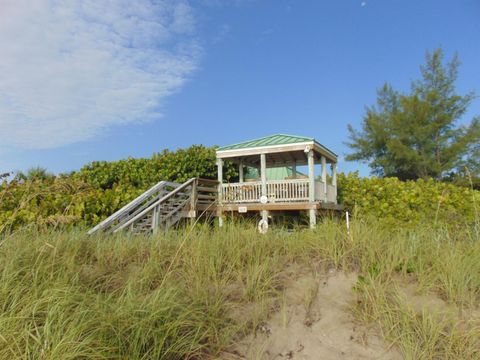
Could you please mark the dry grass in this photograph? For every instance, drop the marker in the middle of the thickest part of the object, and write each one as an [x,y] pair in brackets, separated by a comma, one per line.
[191,294]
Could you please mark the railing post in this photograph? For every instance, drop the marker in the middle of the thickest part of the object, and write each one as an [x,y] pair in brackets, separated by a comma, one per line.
[311,186]
[193,201]
[220,192]
[324,177]
[263,174]
[240,171]
[155,219]
[334,179]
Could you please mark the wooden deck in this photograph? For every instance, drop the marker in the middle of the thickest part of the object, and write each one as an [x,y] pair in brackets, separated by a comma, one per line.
[246,207]
[278,191]
[166,203]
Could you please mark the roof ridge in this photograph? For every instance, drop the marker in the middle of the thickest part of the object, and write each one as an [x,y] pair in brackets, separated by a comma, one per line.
[246,141]
[266,137]
[296,136]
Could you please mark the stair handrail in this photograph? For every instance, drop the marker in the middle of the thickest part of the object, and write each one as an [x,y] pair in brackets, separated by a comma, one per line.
[109,220]
[155,204]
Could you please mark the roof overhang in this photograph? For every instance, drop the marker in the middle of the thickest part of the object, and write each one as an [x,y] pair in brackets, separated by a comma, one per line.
[291,151]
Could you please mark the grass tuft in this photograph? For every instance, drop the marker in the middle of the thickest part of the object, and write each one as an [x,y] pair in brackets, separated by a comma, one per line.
[191,294]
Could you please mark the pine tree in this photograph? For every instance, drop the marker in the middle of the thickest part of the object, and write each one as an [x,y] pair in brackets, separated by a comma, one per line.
[416,135]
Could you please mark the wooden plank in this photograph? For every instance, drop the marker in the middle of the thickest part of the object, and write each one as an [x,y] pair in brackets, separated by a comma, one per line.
[207,197]
[157,203]
[207,189]
[270,206]
[130,206]
[207,181]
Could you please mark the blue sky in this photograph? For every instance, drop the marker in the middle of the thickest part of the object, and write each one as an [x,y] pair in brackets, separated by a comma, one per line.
[85,81]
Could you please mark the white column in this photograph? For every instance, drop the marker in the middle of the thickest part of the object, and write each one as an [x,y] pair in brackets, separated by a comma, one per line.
[240,171]
[334,179]
[311,187]
[263,175]
[324,177]
[220,191]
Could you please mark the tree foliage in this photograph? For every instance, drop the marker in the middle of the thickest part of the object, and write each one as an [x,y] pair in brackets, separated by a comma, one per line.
[98,189]
[415,135]
[409,202]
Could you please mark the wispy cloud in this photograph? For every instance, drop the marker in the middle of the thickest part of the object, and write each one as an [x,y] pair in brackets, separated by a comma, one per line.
[70,69]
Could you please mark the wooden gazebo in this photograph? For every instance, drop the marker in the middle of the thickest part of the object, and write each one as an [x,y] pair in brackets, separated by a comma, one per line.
[292,192]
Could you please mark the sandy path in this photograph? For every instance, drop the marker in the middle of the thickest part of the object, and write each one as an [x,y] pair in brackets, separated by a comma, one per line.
[315,322]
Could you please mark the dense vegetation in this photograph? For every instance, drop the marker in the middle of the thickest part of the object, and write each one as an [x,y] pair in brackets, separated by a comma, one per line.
[193,292]
[99,189]
[64,295]
[416,135]
[409,202]
[38,198]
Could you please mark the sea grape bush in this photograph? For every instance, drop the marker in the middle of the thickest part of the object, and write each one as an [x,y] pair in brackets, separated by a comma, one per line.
[178,166]
[411,201]
[100,188]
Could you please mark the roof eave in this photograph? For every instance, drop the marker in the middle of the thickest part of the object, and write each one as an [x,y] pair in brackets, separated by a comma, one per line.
[222,154]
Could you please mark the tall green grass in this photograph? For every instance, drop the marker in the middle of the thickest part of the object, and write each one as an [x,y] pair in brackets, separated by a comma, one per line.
[190,294]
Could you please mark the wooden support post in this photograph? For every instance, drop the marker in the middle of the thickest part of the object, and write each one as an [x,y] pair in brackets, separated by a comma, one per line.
[154,225]
[334,179]
[311,187]
[220,192]
[240,171]
[294,170]
[324,177]
[263,175]
[193,202]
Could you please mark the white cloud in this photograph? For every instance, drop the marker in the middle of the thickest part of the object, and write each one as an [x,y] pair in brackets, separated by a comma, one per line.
[69,69]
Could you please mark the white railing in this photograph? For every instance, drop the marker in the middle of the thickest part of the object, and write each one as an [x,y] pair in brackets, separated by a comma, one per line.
[287,190]
[277,191]
[331,194]
[319,190]
[248,192]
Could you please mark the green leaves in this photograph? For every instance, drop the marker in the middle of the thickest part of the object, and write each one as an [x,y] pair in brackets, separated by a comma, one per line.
[98,189]
[409,202]
[101,188]
[415,135]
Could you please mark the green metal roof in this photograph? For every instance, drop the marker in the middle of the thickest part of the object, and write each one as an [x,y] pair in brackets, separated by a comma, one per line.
[277,139]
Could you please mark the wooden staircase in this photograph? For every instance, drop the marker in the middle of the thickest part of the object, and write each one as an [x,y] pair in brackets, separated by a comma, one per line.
[161,207]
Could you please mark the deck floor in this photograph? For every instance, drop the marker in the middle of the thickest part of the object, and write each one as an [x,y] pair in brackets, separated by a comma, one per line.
[292,206]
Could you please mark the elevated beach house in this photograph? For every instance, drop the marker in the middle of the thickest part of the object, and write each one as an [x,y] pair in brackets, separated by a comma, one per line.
[276,175]
[279,186]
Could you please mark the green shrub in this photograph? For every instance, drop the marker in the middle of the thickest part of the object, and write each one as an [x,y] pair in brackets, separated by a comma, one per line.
[99,189]
[408,201]
[178,166]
